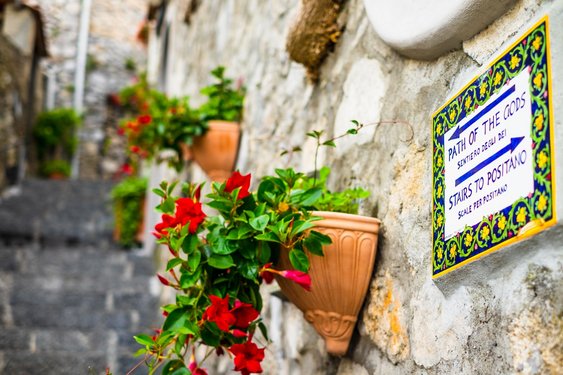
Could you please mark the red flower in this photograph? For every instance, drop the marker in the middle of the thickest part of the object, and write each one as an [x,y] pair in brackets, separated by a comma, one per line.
[134,149]
[189,211]
[247,358]
[238,181]
[244,314]
[196,370]
[219,313]
[144,119]
[162,228]
[120,131]
[127,169]
[299,277]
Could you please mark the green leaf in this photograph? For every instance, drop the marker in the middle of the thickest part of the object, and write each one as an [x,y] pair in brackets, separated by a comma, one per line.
[159,192]
[314,246]
[264,330]
[301,226]
[171,187]
[173,263]
[182,371]
[221,261]
[329,143]
[355,122]
[219,244]
[309,197]
[210,334]
[168,205]
[171,367]
[321,237]
[259,223]
[249,271]
[187,280]
[193,260]
[264,253]
[144,339]
[185,300]
[175,320]
[299,260]
[271,237]
[352,131]
[190,243]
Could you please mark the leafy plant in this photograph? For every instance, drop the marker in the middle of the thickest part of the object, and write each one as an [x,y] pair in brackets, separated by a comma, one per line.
[55,138]
[130,64]
[223,102]
[128,197]
[218,263]
[55,168]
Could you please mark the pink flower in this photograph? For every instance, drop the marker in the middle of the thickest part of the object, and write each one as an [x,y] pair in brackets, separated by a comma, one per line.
[299,277]
[196,370]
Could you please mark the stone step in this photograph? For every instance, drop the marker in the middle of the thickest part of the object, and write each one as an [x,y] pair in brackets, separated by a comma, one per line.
[52,363]
[78,211]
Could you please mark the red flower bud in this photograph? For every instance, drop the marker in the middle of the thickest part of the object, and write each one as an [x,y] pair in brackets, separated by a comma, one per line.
[238,333]
[299,277]
[163,280]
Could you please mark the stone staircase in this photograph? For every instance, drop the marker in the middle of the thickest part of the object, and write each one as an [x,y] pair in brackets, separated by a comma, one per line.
[70,301]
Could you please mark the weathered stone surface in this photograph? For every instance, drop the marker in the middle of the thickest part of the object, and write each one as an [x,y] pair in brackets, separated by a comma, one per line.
[479,320]
[384,320]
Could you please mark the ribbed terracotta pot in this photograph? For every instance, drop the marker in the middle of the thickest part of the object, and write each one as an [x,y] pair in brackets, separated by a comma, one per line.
[339,279]
[216,151]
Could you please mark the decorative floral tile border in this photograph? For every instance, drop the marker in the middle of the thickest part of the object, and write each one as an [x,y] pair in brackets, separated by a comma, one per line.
[536,211]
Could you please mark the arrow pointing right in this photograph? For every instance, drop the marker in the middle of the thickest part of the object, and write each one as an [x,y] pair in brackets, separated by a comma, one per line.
[514,142]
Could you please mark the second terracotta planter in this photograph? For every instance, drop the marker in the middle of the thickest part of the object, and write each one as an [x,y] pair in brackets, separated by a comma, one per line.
[339,279]
[216,151]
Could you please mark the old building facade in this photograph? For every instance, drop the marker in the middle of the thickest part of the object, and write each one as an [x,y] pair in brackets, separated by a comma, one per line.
[499,314]
[22,46]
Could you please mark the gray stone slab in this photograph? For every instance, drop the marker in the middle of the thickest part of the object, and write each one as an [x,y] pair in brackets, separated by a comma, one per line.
[70,341]
[14,339]
[56,363]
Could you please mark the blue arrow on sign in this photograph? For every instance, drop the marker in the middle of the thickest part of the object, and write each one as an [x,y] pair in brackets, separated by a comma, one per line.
[460,129]
[514,142]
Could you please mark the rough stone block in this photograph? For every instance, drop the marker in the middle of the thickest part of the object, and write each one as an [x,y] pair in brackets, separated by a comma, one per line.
[14,339]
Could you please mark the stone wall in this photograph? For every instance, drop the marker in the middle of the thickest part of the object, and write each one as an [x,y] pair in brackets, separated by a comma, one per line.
[12,124]
[500,314]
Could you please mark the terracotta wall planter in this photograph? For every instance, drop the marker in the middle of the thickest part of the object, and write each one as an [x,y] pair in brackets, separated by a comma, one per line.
[339,280]
[216,151]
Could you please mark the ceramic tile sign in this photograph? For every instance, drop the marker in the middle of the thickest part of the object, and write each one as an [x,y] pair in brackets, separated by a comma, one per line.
[493,157]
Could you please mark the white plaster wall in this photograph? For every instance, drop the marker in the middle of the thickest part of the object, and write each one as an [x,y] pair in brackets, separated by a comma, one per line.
[500,314]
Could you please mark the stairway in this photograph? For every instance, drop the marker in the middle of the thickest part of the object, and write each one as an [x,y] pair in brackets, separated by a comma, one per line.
[70,300]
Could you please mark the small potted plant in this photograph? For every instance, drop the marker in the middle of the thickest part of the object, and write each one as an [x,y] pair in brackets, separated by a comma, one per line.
[217,149]
[219,262]
[55,141]
[128,205]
